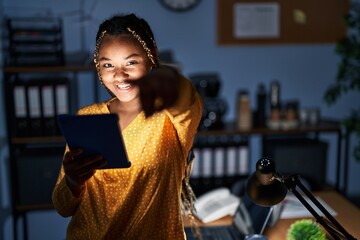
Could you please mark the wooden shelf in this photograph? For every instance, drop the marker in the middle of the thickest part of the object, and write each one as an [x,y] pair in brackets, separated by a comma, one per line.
[26,208]
[34,140]
[48,69]
[231,129]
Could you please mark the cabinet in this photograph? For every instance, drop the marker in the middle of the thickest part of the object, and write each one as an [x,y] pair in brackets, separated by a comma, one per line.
[35,156]
[230,131]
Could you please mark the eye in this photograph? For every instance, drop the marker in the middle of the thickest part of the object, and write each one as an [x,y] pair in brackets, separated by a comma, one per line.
[131,63]
[108,65]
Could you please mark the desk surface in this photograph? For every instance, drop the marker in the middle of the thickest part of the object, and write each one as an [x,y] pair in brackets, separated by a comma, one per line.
[348,215]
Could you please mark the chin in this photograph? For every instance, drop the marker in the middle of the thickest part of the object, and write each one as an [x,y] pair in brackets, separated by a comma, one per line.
[128,98]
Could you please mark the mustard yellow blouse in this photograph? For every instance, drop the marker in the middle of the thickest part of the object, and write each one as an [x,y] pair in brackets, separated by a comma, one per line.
[143,201]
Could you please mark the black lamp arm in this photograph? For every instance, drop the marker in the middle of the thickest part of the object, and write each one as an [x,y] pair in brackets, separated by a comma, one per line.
[336,230]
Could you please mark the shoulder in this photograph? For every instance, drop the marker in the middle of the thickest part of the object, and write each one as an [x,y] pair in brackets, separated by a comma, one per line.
[95,108]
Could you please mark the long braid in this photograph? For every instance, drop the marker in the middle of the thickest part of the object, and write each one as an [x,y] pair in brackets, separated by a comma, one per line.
[143,44]
[188,197]
[96,56]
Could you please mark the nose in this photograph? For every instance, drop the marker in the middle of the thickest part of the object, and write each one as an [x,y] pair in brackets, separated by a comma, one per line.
[120,74]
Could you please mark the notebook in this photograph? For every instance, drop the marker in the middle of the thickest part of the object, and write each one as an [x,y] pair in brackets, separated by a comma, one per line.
[249,222]
[95,134]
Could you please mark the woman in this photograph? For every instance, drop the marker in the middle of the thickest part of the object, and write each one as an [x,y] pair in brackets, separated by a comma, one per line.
[159,112]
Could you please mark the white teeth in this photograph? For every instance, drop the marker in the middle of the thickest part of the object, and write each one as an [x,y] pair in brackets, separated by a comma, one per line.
[123,85]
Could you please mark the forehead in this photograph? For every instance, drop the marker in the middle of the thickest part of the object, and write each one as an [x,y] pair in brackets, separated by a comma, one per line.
[123,42]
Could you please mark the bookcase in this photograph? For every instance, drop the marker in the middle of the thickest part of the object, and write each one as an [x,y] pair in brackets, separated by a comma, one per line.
[33,97]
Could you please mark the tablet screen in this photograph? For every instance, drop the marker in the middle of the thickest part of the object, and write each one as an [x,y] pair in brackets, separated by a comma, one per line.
[95,134]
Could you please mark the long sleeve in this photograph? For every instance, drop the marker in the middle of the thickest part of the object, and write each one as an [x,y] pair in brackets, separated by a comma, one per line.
[64,201]
[186,114]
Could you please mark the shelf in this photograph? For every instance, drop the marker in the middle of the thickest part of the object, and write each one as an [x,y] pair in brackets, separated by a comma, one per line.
[31,38]
[36,140]
[48,69]
[26,208]
[231,129]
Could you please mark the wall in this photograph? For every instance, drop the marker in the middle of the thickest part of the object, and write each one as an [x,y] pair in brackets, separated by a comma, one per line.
[304,70]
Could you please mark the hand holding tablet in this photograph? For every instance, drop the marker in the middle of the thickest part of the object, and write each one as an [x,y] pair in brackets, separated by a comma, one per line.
[96,134]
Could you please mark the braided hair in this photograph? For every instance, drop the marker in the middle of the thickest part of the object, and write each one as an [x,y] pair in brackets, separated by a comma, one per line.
[129,25]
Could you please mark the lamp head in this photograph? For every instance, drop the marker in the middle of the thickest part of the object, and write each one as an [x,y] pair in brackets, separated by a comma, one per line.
[263,187]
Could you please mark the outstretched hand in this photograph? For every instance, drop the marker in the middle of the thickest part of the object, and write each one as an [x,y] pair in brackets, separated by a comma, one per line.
[159,89]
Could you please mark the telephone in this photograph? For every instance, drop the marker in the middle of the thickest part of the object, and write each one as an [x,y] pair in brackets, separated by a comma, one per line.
[216,204]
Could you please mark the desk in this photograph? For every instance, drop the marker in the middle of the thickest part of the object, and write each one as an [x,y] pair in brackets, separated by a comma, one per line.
[348,215]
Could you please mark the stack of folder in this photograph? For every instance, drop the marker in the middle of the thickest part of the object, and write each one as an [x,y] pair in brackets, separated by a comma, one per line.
[219,161]
[36,102]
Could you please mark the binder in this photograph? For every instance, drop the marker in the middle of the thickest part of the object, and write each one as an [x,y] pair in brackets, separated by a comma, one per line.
[220,161]
[231,161]
[34,102]
[244,158]
[219,153]
[20,124]
[207,161]
[48,109]
[62,98]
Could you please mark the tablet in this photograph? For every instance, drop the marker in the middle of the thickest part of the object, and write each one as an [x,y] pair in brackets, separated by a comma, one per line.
[95,134]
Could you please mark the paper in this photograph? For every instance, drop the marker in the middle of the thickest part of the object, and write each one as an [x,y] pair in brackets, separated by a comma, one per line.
[293,208]
[256,20]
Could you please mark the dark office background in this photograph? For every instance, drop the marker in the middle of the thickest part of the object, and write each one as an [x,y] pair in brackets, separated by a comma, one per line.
[304,72]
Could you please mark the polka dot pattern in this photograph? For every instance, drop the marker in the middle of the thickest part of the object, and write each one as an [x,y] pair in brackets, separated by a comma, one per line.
[143,201]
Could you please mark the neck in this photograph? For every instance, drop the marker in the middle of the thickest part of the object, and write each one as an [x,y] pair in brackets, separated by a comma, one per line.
[126,111]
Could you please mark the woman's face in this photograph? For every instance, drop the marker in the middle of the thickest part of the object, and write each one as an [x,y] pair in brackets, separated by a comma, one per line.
[122,58]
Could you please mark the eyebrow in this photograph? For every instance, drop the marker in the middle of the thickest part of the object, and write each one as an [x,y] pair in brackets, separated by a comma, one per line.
[128,57]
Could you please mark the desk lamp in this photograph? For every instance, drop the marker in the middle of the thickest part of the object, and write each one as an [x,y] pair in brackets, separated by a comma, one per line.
[266,188]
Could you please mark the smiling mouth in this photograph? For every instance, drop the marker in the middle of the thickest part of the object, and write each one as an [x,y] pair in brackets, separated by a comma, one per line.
[123,86]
